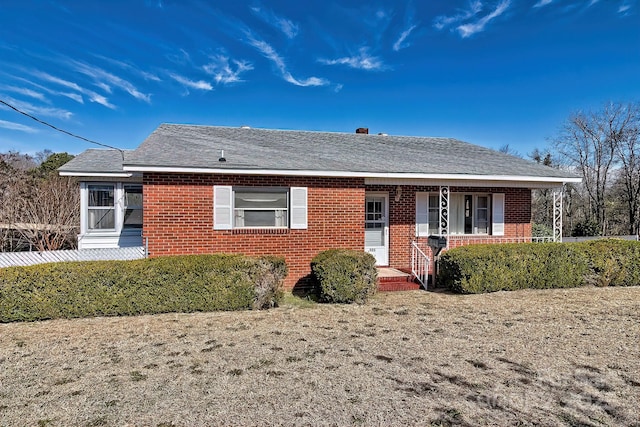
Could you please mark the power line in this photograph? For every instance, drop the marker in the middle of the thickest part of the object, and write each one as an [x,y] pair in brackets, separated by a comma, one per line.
[61,130]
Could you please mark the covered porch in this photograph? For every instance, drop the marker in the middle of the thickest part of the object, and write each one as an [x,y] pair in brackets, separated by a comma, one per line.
[399,220]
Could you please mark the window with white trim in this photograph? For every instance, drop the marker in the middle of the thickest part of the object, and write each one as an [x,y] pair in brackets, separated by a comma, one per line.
[101,207]
[111,208]
[259,207]
[469,213]
[473,213]
[132,206]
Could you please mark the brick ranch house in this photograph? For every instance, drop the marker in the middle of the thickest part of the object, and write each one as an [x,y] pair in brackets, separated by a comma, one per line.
[203,189]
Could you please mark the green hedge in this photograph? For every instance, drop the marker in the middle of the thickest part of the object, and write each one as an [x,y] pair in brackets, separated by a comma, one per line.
[611,262]
[490,268]
[157,285]
[344,275]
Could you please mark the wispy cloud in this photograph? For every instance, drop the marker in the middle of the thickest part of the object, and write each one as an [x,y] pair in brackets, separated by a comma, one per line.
[105,87]
[226,71]
[442,21]
[401,43]
[467,30]
[270,53]
[40,111]
[53,79]
[104,78]
[286,26]
[624,8]
[131,68]
[543,3]
[93,96]
[181,58]
[17,126]
[193,84]
[76,97]
[363,60]
[26,92]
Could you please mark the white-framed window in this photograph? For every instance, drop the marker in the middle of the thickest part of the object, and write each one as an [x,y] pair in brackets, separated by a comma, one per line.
[469,213]
[259,207]
[110,208]
[101,207]
[132,206]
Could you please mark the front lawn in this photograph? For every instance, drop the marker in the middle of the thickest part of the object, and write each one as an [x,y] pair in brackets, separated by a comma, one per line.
[547,357]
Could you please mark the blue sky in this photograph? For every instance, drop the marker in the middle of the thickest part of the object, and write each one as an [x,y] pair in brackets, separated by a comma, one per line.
[490,72]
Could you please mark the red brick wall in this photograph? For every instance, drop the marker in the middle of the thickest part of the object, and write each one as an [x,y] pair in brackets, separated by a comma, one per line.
[178,219]
[402,216]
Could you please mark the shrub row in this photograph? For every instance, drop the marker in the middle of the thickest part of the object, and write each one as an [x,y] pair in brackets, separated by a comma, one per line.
[157,285]
[344,276]
[490,268]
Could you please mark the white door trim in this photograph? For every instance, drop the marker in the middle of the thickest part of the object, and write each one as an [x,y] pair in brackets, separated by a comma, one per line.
[381,253]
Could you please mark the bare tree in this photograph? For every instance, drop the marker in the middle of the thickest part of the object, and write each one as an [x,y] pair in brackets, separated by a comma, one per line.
[542,200]
[37,207]
[14,187]
[588,142]
[506,149]
[52,214]
[626,135]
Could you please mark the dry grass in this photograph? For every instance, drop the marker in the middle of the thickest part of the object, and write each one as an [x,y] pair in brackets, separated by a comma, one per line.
[557,357]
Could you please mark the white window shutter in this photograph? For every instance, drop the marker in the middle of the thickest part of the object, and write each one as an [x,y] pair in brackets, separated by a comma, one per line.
[222,207]
[299,208]
[422,214]
[497,215]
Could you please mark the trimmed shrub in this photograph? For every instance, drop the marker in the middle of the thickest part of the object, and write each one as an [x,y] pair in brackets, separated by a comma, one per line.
[489,268]
[344,275]
[507,267]
[149,286]
[611,262]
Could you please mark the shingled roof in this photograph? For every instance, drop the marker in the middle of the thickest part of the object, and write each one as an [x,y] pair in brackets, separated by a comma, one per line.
[188,148]
[97,162]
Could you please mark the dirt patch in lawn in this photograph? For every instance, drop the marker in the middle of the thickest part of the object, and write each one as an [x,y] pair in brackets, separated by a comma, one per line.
[556,357]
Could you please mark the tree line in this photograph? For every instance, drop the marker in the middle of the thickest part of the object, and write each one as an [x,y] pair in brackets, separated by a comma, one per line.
[39,210]
[602,147]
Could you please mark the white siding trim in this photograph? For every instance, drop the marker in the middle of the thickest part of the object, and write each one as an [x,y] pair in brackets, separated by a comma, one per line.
[320,173]
[99,174]
[461,183]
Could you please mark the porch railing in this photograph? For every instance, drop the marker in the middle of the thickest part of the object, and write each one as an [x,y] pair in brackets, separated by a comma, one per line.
[419,264]
[462,240]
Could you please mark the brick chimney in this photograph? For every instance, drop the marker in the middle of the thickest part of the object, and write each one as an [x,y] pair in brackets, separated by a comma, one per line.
[362,130]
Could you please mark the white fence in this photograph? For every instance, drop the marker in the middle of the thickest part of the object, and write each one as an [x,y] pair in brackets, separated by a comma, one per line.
[14,259]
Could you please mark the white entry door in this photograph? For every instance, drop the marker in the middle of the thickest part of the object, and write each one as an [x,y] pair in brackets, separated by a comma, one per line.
[376,227]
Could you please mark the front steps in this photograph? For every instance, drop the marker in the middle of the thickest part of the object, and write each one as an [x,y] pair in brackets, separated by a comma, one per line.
[391,279]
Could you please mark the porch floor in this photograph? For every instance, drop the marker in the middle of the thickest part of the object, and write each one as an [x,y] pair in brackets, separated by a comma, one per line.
[391,279]
[391,272]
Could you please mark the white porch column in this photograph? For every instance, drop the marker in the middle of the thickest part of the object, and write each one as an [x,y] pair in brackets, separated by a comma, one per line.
[557,215]
[443,229]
